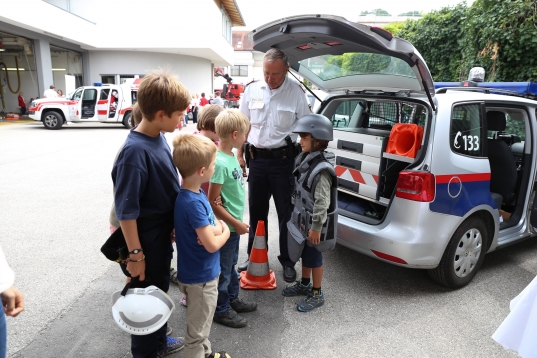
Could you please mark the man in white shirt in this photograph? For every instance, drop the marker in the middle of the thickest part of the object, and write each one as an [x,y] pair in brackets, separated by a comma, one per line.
[50,93]
[12,300]
[217,99]
[274,106]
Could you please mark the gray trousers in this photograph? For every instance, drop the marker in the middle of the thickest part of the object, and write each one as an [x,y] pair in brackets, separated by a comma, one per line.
[201,303]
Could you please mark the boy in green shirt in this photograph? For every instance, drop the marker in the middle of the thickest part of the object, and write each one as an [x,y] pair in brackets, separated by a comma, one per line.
[227,181]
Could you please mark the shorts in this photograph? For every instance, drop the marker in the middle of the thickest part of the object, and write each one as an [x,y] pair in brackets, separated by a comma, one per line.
[311,257]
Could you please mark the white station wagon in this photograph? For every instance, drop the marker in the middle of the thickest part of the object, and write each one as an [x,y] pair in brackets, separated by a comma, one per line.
[428,178]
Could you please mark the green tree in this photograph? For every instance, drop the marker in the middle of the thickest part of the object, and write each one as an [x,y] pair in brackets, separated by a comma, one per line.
[378,12]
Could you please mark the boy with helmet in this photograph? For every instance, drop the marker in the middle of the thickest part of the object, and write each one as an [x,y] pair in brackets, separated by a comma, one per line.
[312,228]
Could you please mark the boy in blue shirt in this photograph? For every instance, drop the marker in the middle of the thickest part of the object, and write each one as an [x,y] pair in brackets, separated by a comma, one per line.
[199,238]
[146,185]
[227,182]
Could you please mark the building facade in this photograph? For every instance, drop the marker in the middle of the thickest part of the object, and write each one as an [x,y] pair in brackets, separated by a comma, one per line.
[111,42]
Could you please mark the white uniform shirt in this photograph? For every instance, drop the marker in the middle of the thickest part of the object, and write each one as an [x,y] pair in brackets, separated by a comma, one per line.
[273,113]
[50,93]
[6,274]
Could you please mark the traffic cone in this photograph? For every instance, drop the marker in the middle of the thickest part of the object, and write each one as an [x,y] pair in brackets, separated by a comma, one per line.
[258,276]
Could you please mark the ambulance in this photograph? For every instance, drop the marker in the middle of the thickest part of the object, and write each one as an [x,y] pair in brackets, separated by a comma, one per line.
[102,103]
[428,178]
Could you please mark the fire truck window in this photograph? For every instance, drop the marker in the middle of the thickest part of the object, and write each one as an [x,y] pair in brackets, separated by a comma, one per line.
[466,130]
[104,93]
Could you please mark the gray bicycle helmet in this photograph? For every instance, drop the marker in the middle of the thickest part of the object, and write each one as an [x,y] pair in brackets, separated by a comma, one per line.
[317,125]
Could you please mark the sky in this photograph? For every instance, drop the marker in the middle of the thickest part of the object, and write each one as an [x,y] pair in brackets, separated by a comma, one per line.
[256,13]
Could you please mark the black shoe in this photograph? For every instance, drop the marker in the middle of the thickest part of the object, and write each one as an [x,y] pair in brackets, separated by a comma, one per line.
[311,302]
[289,274]
[230,319]
[241,306]
[298,289]
[243,266]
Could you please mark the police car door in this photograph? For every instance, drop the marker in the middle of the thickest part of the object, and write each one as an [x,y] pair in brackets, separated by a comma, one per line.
[103,104]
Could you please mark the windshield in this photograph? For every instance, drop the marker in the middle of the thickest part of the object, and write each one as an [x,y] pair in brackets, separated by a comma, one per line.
[328,67]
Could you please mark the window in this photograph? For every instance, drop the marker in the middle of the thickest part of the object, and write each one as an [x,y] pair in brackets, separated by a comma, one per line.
[383,115]
[226,25]
[342,116]
[123,78]
[241,71]
[466,134]
[104,93]
[77,94]
[89,95]
[109,79]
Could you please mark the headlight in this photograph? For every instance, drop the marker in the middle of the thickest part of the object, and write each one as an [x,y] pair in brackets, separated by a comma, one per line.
[32,105]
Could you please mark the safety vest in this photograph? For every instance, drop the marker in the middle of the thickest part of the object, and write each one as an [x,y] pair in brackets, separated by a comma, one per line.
[307,175]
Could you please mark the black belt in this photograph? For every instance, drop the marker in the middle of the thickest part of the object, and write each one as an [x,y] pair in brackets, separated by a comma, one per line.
[271,153]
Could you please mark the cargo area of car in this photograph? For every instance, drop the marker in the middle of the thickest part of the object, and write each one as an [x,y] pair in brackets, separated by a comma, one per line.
[371,152]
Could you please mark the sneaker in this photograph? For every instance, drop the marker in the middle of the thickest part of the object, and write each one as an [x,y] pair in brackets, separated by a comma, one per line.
[230,319]
[311,302]
[173,345]
[221,354]
[241,306]
[298,289]
[169,330]
[173,276]
[183,301]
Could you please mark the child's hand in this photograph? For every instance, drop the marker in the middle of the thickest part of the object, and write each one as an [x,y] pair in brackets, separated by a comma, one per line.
[314,237]
[241,228]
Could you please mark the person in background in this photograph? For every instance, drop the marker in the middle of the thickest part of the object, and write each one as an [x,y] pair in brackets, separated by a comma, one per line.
[194,104]
[22,104]
[211,99]
[217,99]
[60,93]
[12,300]
[203,100]
[51,92]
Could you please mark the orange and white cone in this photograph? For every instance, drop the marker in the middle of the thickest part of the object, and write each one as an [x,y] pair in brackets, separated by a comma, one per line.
[258,276]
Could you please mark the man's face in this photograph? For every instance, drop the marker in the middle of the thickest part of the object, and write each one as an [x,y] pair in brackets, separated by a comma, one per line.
[274,73]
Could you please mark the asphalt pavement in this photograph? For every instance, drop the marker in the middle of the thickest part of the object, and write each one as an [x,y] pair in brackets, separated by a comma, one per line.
[55,196]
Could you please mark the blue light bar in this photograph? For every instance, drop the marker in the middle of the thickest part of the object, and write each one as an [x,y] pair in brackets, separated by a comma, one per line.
[522,88]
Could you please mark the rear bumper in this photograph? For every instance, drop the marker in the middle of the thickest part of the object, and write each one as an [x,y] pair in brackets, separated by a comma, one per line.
[410,236]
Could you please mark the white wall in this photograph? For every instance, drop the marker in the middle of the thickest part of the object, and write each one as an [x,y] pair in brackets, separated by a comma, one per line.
[194,72]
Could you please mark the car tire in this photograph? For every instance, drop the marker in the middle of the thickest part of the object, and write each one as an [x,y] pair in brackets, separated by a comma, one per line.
[463,255]
[226,104]
[52,120]
[127,120]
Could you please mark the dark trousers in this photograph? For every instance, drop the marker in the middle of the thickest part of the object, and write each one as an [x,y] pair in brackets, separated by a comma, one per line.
[23,111]
[156,243]
[195,116]
[271,177]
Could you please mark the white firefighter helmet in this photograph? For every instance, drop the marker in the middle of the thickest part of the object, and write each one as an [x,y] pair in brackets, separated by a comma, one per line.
[142,310]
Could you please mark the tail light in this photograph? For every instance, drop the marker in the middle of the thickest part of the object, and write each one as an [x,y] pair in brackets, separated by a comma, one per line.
[417,186]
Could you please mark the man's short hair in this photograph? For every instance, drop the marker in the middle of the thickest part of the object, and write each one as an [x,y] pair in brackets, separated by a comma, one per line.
[191,152]
[207,115]
[229,121]
[161,91]
[136,115]
[52,87]
[274,54]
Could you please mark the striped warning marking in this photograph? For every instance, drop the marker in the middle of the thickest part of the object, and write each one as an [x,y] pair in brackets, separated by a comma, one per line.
[357,176]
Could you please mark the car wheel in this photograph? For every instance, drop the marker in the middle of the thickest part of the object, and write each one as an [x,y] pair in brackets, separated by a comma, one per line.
[52,120]
[127,120]
[463,256]
[226,104]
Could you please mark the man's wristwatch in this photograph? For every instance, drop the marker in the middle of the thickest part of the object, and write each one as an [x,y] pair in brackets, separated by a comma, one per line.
[135,251]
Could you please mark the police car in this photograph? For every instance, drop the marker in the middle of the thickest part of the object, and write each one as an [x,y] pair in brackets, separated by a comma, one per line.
[428,178]
[97,103]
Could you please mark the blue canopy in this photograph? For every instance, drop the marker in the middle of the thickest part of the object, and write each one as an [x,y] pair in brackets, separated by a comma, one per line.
[522,88]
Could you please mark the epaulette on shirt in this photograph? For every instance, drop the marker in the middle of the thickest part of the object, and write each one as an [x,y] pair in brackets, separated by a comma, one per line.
[252,81]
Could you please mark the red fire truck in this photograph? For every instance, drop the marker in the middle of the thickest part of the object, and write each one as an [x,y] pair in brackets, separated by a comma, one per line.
[231,92]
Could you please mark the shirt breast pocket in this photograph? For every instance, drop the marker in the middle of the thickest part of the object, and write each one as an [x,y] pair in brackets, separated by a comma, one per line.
[285,118]
[256,112]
